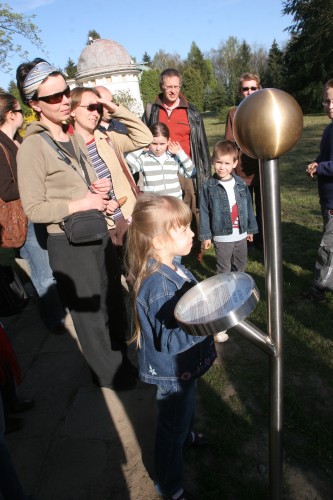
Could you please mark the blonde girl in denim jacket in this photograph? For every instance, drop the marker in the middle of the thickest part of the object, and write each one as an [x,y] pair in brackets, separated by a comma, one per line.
[168,357]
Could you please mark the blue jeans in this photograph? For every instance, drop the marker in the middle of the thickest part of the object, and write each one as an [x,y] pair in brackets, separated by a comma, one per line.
[323,273]
[34,251]
[175,419]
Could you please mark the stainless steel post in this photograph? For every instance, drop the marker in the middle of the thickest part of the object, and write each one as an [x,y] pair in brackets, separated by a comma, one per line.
[267,124]
[270,194]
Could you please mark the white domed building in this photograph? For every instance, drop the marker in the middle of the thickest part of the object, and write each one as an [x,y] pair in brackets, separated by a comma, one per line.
[107,63]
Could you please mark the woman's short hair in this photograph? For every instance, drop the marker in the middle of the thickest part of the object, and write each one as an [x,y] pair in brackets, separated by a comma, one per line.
[77,93]
[167,73]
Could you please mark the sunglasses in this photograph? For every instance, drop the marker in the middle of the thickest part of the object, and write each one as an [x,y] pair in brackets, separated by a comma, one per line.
[94,107]
[17,111]
[55,98]
[245,89]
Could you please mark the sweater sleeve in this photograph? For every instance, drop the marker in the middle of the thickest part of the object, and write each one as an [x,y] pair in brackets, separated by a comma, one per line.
[325,168]
[185,163]
[134,160]
[139,135]
[205,229]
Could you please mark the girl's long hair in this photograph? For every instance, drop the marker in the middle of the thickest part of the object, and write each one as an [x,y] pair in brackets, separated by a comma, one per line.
[153,216]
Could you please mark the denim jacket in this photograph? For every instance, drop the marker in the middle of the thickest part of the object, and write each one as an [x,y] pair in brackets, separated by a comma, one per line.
[167,355]
[215,217]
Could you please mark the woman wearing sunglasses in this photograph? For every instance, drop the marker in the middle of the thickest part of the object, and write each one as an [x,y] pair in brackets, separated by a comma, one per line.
[53,184]
[247,168]
[106,151]
[34,249]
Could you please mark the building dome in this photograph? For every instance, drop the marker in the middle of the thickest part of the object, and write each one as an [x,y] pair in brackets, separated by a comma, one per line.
[107,63]
[102,56]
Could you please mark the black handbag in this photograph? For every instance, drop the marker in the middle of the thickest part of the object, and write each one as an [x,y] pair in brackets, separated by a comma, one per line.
[85,227]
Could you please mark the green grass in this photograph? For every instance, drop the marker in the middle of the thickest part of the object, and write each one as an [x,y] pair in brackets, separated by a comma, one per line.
[234,397]
[234,393]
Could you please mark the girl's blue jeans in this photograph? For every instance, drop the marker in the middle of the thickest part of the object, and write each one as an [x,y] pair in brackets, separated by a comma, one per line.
[176,407]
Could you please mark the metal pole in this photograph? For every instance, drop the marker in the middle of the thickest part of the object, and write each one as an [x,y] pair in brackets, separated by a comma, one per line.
[271,213]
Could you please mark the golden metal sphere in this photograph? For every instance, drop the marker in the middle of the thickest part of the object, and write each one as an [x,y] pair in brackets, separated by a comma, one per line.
[267,124]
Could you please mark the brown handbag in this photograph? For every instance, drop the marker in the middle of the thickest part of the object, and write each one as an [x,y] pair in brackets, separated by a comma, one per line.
[13,221]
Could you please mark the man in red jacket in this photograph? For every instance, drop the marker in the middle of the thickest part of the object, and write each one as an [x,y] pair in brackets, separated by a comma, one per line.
[186,126]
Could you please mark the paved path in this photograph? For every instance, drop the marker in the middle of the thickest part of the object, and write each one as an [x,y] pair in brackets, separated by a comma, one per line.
[79,442]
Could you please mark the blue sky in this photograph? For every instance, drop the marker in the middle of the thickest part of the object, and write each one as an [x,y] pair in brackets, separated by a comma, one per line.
[143,26]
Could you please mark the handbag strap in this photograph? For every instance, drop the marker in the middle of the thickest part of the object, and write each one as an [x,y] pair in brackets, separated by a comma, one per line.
[67,160]
[122,164]
[8,160]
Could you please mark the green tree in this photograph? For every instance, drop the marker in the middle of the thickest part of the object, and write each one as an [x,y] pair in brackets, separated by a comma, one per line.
[215,99]
[309,53]
[274,73]
[149,85]
[196,59]
[92,35]
[12,25]
[193,87]
[70,68]
[244,58]
[12,89]
[146,59]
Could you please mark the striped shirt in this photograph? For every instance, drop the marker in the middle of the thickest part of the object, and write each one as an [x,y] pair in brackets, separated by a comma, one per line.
[160,174]
[102,172]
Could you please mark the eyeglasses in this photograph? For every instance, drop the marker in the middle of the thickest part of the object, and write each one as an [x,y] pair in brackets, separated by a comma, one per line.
[245,89]
[327,102]
[55,98]
[17,111]
[94,107]
[172,87]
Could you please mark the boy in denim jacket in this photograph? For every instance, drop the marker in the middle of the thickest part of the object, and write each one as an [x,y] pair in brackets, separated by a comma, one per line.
[226,212]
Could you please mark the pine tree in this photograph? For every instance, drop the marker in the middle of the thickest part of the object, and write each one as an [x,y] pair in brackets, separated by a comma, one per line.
[309,53]
[92,35]
[193,87]
[149,85]
[70,68]
[274,73]
[146,59]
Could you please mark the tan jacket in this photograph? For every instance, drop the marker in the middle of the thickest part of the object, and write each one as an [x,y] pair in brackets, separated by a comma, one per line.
[139,136]
[46,182]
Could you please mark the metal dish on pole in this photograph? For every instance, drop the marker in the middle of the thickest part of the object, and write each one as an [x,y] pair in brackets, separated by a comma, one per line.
[217,303]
